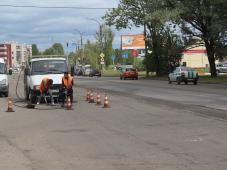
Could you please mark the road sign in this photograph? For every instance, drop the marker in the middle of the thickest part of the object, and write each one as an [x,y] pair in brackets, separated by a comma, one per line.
[102,60]
[102,55]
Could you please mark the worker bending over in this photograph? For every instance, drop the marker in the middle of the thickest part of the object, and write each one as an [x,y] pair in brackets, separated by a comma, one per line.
[46,90]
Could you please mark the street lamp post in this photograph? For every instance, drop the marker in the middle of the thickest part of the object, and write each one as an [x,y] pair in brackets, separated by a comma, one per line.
[101,38]
[81,43]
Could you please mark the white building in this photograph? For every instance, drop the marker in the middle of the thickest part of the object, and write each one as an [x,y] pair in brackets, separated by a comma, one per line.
[19,53]
[23,52]
[195,57]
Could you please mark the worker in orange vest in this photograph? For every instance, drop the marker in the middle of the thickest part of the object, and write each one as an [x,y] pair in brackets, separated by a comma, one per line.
[45,89]
[67,87]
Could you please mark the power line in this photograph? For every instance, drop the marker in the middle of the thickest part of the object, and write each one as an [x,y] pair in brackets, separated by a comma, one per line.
[56,7]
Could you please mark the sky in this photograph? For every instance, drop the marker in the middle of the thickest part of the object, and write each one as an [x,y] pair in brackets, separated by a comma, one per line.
[47,26]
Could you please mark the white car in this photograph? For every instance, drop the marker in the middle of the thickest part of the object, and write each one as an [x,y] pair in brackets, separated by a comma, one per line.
[221,68]
[183,74]
[87,71]
[39,68]
[4,82]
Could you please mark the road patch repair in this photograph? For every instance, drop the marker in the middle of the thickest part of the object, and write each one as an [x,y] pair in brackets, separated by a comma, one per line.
[67,106]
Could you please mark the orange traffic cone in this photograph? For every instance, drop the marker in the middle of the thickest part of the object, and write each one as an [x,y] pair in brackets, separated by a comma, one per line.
[91,100]
[98,102]
[68,104]
[106,102]
[88,95]
[10,105]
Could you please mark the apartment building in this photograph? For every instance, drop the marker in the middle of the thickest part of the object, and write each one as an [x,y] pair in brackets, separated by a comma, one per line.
[15,54]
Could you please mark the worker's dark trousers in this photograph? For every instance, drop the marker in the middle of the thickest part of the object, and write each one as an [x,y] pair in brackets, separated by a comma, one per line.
[65,94]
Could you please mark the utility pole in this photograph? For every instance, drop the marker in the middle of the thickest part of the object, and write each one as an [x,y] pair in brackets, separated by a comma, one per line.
[100,40]
[67,52]
[81,44]
[146,49]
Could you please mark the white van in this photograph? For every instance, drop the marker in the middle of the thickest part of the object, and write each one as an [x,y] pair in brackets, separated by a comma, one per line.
[39,68]
[4,83]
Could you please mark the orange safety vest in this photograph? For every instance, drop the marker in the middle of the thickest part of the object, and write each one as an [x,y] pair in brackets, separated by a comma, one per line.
[44,85]
[67,83]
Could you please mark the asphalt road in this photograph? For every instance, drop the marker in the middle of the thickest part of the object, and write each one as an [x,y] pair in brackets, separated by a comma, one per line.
[211,96]
[141,130]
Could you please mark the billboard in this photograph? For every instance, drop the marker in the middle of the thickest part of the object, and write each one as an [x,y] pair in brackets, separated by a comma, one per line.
[132,42]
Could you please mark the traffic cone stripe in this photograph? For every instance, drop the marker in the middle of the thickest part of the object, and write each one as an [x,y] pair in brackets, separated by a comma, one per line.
[106,102]
[68,104]
[98,100]
[92,100]
[88,95]
[10,105]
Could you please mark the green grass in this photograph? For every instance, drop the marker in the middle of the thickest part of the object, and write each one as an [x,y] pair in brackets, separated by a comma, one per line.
[220,79]
[111,73]
[142,74]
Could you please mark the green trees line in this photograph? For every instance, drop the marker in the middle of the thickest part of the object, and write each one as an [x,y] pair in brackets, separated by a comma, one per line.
[172,25]
[55,49]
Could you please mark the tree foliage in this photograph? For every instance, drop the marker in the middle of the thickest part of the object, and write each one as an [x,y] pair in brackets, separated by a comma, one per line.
[105,37]
[92,50]
[153,16]
[35,50]
[56,49]
[205,20]
[72,58]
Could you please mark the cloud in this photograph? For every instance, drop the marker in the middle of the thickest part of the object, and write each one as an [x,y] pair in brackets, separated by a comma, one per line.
[45,26]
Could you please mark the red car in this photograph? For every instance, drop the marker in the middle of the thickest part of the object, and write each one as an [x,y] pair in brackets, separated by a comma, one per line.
[129,73]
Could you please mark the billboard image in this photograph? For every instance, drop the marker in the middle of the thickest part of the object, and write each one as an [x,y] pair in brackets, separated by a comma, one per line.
[132,42]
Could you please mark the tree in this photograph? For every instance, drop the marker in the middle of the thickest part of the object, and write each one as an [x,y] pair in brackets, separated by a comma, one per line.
[118,54]
[92,52]
[105,37]
[72,58]
[56,49]
[35,50]
[206,20]
[152,15]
